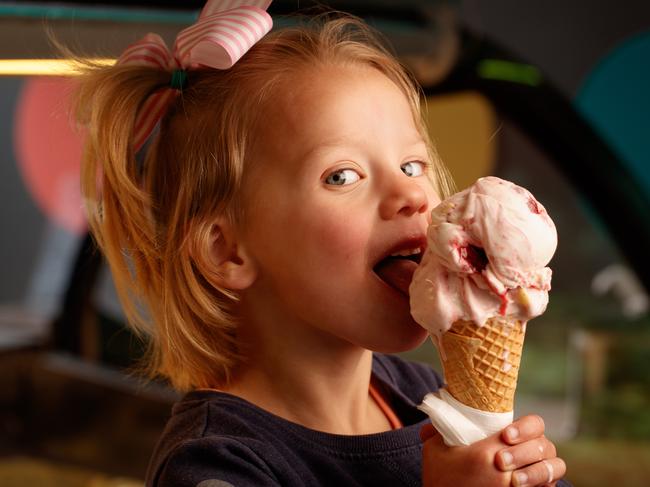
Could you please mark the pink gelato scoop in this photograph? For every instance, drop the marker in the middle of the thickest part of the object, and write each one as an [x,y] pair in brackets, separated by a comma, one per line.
[488,248]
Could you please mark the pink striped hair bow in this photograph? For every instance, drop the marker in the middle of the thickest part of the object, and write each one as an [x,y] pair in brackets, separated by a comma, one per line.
[223,33]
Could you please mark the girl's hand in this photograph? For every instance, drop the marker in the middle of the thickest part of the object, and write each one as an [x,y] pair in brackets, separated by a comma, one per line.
[499,460]
[532,458]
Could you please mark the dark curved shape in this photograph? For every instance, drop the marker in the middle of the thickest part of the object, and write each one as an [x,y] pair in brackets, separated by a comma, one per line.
[66,329]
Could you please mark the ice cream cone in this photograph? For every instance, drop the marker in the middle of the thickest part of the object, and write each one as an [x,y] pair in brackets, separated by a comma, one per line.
[481,363]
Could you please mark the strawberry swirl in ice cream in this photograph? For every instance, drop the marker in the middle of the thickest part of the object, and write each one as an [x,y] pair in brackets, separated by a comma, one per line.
[488,248]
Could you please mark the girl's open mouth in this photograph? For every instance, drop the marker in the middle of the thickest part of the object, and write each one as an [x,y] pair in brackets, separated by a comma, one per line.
[396,269]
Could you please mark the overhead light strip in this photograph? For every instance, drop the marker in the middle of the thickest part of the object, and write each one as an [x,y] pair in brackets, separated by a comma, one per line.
[43,67]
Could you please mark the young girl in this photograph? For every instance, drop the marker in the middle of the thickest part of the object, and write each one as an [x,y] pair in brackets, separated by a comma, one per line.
[270,230]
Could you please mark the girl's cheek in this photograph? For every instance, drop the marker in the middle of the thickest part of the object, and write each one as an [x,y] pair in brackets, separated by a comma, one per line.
[332,225]
[340,235]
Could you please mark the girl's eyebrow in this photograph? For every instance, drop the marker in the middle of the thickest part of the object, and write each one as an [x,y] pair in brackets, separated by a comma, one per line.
[328,144]
[344,140]
[418,143]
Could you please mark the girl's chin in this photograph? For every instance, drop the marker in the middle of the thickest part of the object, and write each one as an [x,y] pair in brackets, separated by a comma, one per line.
[405,342]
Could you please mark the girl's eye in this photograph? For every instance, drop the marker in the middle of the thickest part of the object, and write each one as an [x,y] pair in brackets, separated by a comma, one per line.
[413,168]
[342,177]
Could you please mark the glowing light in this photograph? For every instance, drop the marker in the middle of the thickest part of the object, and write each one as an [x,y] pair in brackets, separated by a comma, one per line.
[43,67]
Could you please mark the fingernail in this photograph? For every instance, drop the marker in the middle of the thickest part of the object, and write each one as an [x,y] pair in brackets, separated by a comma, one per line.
[520,479]
[512,433]
[506,458]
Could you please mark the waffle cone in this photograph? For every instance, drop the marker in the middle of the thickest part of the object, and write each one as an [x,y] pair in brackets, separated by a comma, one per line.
[481,363]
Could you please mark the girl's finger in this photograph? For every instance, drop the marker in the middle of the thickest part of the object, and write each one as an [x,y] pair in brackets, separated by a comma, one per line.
[540,473]
[525,454]
[427,432]
[524,429]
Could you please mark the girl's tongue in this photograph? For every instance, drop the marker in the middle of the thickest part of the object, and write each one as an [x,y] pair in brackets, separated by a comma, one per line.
[397,272]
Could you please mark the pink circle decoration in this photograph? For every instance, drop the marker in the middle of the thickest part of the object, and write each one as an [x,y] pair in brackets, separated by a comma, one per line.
[48,150]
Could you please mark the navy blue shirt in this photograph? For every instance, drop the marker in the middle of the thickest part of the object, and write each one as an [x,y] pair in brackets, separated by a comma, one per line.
[215,439]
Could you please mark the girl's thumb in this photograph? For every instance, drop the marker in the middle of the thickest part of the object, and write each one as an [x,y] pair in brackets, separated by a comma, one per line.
[427,432]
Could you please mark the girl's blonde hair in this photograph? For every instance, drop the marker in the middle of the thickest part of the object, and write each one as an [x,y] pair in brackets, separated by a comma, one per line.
[153,219]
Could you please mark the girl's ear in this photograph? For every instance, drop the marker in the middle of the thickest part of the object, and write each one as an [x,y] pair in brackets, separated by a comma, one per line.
[222,258]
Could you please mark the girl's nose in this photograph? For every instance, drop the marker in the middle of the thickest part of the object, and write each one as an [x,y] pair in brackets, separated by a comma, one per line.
[405,197]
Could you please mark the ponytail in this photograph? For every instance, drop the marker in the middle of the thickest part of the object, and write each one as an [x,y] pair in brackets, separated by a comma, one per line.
[152,219]
[118,205]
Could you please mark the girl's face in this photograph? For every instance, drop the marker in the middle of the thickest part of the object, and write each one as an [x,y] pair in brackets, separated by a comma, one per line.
[337,184]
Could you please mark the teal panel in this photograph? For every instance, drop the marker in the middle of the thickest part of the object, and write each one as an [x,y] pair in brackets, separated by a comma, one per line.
[615,98]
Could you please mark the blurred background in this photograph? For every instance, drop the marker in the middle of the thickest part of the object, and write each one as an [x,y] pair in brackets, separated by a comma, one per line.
[552,95]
